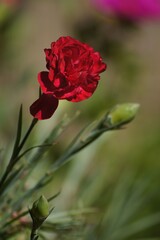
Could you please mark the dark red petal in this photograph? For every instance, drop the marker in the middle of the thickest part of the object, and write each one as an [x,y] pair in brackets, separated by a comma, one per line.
[45,83]
[74,94]
[98,65]
[44,107]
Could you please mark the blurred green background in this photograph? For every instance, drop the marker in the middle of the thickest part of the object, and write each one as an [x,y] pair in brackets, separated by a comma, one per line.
[118,175]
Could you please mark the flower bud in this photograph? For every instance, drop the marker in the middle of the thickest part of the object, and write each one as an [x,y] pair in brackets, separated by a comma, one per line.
[122,113]
[40,208]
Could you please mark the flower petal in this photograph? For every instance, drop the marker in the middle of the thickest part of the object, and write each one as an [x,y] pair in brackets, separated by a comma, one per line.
[45,83]
[44,107]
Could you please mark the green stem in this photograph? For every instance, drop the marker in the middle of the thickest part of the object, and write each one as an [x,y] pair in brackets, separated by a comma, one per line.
[34,235]
[33,123]
[15,219]
[97,132]
[14,158]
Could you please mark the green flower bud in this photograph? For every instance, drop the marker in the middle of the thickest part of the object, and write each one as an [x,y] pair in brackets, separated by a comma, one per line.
[122,113]
[40,208]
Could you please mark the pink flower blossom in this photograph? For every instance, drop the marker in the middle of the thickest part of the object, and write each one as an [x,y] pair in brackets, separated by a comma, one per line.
[130,9]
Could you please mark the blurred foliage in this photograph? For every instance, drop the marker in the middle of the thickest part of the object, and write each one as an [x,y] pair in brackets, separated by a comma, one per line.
[114,184]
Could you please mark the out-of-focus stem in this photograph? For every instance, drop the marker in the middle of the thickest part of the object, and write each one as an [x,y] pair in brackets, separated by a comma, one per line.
[14,158]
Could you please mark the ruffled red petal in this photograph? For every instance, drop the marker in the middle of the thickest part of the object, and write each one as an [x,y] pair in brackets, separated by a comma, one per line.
[44,107]
[45,83]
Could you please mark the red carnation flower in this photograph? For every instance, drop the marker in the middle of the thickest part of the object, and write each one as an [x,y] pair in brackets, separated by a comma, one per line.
[73,74]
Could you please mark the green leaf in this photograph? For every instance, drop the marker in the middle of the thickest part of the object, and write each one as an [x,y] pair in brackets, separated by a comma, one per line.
[10,181]
[19,132]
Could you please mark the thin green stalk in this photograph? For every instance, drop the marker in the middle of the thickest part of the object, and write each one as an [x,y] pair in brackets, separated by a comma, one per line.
[33,123]
[75,148]
[14,158]
[34,234]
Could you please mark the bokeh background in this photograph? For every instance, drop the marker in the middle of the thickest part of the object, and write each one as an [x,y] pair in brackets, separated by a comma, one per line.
[118,175]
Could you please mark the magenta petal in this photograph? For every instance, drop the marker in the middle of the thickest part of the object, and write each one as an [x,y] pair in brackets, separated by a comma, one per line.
[45,83]
[44,107]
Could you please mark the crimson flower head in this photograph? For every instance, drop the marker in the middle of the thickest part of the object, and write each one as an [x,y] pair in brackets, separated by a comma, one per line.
[73,74]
